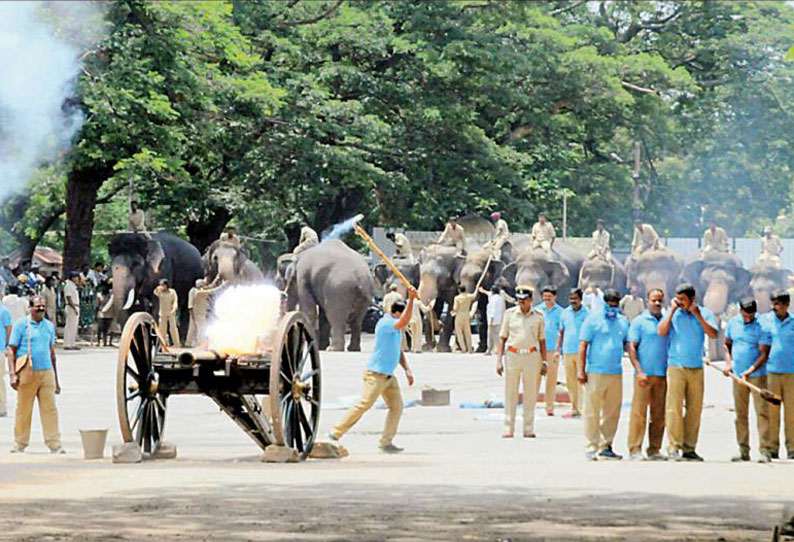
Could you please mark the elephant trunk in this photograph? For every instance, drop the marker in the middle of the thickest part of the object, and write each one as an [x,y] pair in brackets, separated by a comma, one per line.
[762,300]
[716,298]
[428,287]
[123,286]
[226,269]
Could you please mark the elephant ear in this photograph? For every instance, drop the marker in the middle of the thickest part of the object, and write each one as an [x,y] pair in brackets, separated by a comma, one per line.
[497,268]
[783,276]
[154,256]
[743,278]
[509,273]
[692,271]
[381,273]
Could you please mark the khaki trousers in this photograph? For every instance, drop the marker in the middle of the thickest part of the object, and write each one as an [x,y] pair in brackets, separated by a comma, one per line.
[493,337]
[575,390]
[375,385]
[521,369]
[192,333]
[41,387]
[552,368]
[650,397]
[70,329]
[741,402]
[168,324]
[684,386]
[415,331]
[783,385]
[603,395]
[463,332]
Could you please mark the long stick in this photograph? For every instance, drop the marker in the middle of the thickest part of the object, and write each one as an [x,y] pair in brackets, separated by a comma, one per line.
[361,233]
[767,395]
[484,271]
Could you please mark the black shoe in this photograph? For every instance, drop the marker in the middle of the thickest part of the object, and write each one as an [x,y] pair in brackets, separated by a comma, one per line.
[743,456]
[390,449]
[791,455]
[774,455]
[607,453]
[691,456]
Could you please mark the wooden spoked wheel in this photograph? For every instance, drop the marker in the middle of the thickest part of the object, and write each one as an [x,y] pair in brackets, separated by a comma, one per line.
[295,384]
[141,406]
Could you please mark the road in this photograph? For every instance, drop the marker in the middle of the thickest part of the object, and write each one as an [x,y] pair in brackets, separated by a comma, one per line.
[457,479]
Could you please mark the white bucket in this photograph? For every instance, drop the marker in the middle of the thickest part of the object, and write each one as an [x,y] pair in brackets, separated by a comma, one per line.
[94,442]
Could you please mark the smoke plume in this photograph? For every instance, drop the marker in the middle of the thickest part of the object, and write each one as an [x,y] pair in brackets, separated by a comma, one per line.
[338,230]
[245,319]
[40,46]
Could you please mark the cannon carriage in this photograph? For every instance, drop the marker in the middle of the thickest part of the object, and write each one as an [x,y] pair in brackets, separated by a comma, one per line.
[273,395]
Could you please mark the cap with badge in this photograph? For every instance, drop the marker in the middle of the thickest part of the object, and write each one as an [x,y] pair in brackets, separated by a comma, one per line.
[523,291]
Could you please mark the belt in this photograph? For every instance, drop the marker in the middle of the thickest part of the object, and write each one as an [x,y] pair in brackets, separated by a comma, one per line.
[514,350]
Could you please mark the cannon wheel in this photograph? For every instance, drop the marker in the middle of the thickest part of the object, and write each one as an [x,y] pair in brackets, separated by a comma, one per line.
[295,384]
[141,407]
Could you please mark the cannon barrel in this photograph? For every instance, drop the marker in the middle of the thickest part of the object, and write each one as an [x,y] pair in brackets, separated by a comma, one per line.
[189,358]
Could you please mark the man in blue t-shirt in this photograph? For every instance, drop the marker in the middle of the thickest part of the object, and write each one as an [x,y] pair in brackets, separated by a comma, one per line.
[571,322]
[686,325]
[746,352]
[35,335]
[779,323]
[648,355]
[5,334]
[379,379]
[551,319]
[600,368]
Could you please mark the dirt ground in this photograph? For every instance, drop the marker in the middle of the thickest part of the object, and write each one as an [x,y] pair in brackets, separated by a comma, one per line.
[457,479]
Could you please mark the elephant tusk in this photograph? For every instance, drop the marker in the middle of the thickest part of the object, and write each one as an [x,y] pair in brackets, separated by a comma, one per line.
[130,300]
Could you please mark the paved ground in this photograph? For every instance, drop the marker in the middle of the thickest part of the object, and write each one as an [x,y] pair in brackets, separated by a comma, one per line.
[457,479]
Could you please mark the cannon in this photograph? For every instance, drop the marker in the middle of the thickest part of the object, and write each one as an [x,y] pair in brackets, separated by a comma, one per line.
[273,395]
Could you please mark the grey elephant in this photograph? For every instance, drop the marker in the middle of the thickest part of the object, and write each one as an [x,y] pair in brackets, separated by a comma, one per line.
[654,269]
[719,277]
[767,277]
[228,262]
[333,286]
[439,273]
[535,268]
[474,269]
[597,272]
[385,277]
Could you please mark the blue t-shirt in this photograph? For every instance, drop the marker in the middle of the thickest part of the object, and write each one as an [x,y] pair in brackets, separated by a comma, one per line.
[606,338]
[42,336]
[5,321]
[781,356]
[746,340]
[571,324]
[388,343]
[686,338]
[551,319]
[651,348]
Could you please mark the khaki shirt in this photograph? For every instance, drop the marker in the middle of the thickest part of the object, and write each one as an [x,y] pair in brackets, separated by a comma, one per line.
[389,300]
[717,240]
[523,331]
[168,301]
[403,245]
[646,240]
[601,241]
[542,232]
[308,234]
[631,306]
[137,221]
[70,293]
[50,300]
[231,239]
[771,246]
[461,306]
[502,231]
[191,296]
[452,236]
[201,302]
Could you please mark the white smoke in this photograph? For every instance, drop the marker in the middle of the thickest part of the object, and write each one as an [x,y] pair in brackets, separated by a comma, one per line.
[40,46]
[245,319]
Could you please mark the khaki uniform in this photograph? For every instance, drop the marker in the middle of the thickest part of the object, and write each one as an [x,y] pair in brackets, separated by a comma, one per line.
[192,330]
[523,332]
[716,241]
[683,385]
[632,306]
[415,327]
[645,240]
[42,387]
[653,396]
[741,401]
[389,300]
[781,384]
[543,236]
[375,385]
[461,308]
[603,394]
[501,235]
[168,304]
[770,250]
[231,239]
[137,221]
[50,303]
[72,297]
[453,237]
[403,245]
[601,248]
[307,240]
[201,305]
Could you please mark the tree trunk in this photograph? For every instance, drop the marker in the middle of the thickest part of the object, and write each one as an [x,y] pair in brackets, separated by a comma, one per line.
[81,198]
[203,233]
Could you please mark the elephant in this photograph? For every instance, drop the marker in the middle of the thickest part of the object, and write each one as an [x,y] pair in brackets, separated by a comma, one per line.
[597,272]
[139,262]
[333,286]
[719,278]
[385,277]
[766,278]
[654,269]
[534,268]
[229,262]
[439,273]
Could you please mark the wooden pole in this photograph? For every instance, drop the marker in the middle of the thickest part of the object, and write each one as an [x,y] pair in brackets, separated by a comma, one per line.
[364,235]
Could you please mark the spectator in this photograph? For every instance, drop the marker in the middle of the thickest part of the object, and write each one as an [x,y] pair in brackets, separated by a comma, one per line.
[50,299]
[72,301]
[104,305]
[14,303]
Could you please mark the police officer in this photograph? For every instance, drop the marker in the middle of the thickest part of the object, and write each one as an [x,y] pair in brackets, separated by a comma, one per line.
[543,234]
[453,235]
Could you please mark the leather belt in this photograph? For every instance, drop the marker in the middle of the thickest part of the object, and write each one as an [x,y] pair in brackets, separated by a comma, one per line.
[514,350]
